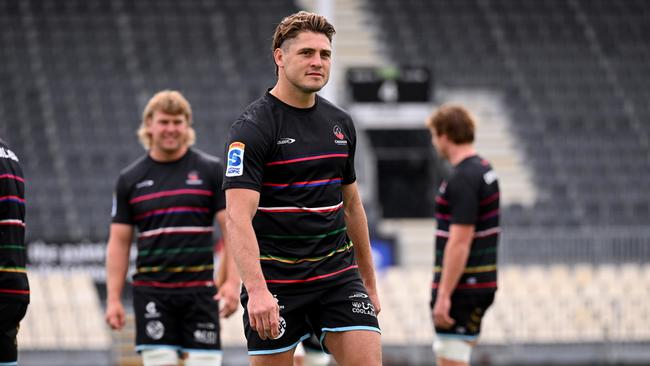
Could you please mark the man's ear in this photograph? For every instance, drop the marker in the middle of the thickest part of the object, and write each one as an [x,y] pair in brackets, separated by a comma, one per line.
[278,56]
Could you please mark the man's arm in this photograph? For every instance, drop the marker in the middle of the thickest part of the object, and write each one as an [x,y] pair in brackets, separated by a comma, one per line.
[455,258]
[357,227]
[117,265]
[263,309]
[228,279]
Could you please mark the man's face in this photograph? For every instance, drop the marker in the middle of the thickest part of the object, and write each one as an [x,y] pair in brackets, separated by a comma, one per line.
[169,132]
[305,61]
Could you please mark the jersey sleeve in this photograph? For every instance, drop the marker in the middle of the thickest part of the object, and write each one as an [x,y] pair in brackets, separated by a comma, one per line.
[219,202]
[246,149]
[121,211]
[349,174]
[463,200]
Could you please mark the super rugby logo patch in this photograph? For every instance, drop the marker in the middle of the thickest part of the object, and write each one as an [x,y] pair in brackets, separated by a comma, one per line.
[235,166]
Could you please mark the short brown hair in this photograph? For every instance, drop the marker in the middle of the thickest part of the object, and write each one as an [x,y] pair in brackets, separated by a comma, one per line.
[296,23]
[455,122]
[170,102]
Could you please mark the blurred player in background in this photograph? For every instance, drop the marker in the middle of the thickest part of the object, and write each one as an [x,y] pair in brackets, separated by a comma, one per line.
[171,195]
[467,211]
[295,220]
[14,287]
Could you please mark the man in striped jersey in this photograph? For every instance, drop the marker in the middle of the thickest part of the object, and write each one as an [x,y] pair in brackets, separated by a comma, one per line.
[14,287]
[295,220]
[171,195]
[467,211]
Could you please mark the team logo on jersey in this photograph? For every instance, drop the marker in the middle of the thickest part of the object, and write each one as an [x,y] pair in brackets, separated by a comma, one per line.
[286,141]
[151,310]
[193,178]
[144,183]
[282,327]
[205,336]
[155,329]
[8,154]
[490,177]
[443,187]
[365,308]
[235,165]
[340,137]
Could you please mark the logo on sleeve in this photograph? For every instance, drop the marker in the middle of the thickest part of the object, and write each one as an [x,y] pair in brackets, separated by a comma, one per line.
[340,137]
[235,166]
[286,141]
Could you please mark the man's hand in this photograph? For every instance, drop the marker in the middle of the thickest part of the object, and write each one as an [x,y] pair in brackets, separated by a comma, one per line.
[374,297]
[441,318]
[264,314]
[115,316]
[228,297]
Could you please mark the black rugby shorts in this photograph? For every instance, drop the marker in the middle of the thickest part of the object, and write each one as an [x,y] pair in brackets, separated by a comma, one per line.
[340,308]
[468,312]
[183,321]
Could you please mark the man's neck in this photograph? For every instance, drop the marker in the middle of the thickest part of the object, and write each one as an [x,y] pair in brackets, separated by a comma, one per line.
[165,157]
[459,153]
[293,96]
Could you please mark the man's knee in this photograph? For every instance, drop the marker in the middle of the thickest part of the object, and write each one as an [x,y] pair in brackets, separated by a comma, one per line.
[203,359]
[452,349]
[159,357]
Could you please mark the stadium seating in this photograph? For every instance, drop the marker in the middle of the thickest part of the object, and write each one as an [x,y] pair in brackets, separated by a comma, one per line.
[576,77]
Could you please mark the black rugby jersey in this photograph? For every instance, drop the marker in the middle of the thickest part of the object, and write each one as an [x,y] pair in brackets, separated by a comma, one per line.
[470,196]
[172,204]
[13,275]
[297,159]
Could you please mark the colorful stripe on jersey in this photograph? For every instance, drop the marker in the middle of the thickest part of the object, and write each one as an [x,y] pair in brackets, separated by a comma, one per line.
[13,291]
[477,234]
[470,286]
[302,209]
[174,284]
[485,216]
[171,211]
[305,184]
[303,237]
[307,158]
[471,270]
[175,192]
[13,269]
[178,269]
[12,247]
[12,222]
[15,199]
[310,279]
[173,251]
[11,176]
[474,252]
[344,248]
[176,230]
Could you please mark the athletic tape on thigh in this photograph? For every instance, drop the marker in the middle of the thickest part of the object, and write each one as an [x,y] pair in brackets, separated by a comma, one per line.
[159,357]
[203,358]
[452,349]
